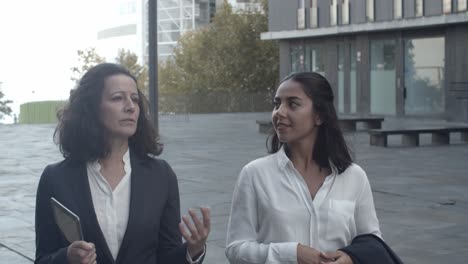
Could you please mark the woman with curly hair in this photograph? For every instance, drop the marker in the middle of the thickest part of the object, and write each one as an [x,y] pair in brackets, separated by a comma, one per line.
[126,198]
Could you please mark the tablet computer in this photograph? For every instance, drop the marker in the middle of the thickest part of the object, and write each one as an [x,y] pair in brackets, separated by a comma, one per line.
[67,221]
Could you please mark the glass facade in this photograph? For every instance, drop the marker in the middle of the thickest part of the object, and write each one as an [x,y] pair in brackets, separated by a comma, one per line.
[346,78]
[308,58]
[297,59]
[352,78]
[424,76]
[315,59]
[341,77]
[382,77]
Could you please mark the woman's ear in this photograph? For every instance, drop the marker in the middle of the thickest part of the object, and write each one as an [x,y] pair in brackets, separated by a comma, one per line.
[318,120]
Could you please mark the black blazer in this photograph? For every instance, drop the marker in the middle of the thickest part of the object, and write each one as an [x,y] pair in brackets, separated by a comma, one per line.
[371,249]
[152,234]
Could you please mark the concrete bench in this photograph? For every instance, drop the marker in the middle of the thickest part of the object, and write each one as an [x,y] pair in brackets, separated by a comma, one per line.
[264,126]
[410,136]
[347,123]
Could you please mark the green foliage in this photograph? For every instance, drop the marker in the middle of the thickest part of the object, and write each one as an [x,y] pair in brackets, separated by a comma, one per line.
[227,56]
[4,108]
[129,60]
[87,58]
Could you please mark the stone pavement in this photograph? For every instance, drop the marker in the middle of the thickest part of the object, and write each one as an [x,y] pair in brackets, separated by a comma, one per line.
[421,193]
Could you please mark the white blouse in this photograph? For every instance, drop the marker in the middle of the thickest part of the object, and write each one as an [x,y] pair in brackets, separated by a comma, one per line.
[272,211]
[111,206]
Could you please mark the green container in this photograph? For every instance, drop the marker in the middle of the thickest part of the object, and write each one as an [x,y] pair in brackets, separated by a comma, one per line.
[44,112]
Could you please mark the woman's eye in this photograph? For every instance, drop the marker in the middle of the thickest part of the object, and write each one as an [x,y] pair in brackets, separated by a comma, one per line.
[276,104]
[116,98]
[135,99]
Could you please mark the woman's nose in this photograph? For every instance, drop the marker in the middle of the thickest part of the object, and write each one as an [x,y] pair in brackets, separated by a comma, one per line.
[280,111]
[130,106]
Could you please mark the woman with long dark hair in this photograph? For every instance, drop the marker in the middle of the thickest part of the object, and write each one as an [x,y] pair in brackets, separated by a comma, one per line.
[126,198]
[307,199]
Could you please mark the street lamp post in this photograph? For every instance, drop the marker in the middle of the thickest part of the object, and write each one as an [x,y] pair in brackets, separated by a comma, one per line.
[153,61]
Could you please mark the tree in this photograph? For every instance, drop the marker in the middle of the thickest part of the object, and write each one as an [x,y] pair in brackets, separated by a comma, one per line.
[226,56]
[129,60]
[4,108]
[87,58]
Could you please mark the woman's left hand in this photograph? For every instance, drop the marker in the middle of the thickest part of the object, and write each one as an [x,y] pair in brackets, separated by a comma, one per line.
[339,257]
[199,230]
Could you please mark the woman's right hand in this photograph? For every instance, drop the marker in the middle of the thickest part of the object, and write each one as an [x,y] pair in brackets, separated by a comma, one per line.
[308,255]
[80,252]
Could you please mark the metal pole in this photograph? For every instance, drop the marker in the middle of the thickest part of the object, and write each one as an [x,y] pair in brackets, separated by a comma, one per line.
[153,61]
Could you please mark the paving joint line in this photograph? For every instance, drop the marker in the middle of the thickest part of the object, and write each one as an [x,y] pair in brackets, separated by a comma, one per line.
[17,252]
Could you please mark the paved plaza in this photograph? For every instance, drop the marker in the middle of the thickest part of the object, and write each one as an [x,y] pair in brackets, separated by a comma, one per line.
[421,193]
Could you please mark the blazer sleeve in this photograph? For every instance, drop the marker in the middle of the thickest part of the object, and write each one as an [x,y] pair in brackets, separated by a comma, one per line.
[171,249]
[50,246]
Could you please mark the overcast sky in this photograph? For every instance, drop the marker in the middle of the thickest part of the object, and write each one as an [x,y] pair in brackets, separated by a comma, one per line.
[38,44]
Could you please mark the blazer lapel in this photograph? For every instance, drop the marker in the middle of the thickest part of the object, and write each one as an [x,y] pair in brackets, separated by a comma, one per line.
[90,225]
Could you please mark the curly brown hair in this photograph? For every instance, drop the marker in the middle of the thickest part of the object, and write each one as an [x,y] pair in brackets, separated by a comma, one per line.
[80,133]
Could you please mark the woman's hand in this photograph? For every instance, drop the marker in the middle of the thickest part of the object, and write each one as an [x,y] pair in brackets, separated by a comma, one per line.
[338,256]
[81,252]
[308,255]
[199,231]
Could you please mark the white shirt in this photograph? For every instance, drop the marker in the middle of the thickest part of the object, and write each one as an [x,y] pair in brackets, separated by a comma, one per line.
[111,207]
[272,211]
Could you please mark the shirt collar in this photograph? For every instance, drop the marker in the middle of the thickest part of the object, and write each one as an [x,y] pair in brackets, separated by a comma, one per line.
[283,161]
[126,160]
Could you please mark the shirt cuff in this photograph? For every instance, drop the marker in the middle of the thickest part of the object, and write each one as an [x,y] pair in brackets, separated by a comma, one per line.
[289,252]
[189,259]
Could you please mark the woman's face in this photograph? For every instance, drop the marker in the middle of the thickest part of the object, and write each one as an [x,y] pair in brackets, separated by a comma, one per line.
[119,106]
[293,116]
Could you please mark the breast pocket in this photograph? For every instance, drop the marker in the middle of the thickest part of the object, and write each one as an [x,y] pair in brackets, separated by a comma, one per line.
[340,222]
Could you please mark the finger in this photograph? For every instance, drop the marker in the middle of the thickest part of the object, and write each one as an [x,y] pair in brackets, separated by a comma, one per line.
[83,245]
[191,228]
[92,259]
[206,212]
[198,224]
[88,258]
[329,256]
[185,234]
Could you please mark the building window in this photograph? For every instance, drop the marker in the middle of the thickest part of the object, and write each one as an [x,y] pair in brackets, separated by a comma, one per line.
[419,8]
[462,5]
[297,59]
[313,14]
[370,10]
[315,59]
[345,12]
[333,12]
[383,76]
[447,6]
[397,9]
[127,8]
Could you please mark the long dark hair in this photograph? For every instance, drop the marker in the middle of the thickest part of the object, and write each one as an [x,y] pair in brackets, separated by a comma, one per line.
[80,133]
[330,145]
